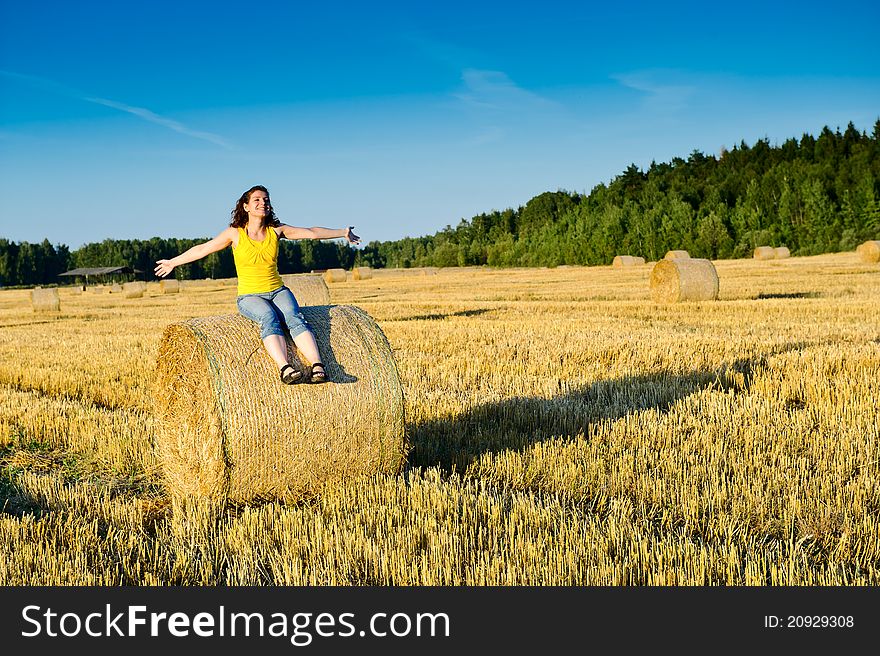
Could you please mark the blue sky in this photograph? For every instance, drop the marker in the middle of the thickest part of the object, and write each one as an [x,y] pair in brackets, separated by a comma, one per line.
[133,120]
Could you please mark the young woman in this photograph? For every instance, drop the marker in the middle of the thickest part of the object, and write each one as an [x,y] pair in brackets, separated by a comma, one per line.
[262,297]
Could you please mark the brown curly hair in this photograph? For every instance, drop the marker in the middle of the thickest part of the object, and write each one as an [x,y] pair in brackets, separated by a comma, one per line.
[240,217]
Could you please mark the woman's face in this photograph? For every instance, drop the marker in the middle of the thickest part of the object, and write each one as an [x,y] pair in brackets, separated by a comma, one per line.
[258,205]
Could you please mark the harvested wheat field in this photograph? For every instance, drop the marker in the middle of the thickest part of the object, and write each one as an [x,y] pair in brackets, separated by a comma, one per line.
[563,429]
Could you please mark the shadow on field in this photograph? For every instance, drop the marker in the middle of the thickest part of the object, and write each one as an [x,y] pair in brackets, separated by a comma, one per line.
[518,423]
[760,297]
[438,316]
[13,503]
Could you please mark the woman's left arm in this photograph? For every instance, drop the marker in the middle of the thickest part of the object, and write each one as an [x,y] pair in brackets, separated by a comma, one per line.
[292,232]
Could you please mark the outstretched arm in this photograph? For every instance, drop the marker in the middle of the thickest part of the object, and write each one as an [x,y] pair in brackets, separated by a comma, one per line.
[292,232]
[197,252]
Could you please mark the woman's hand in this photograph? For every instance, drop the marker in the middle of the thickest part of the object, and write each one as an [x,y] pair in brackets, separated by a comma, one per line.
[163,268]
[350,237]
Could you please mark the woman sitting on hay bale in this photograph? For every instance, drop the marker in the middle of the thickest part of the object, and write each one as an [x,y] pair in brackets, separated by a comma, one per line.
[262,297]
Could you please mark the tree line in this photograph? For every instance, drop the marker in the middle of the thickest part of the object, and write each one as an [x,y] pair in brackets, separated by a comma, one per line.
[813,195]
[40,264]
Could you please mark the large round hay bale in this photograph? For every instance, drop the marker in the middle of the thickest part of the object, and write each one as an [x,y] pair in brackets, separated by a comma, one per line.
[334,275]
[228,429]
[684,280]
[627,260]
[361,273]
[169,286]
[764,253]
[115,288]
[869,251]
[308,288]
[45,300]
[134,289]
[782,252]
[677,255]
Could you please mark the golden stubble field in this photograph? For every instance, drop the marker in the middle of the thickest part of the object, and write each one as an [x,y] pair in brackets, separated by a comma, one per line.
[565,430]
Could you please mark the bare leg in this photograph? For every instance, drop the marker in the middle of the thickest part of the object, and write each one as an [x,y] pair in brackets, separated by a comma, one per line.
[305,342]
[276,346]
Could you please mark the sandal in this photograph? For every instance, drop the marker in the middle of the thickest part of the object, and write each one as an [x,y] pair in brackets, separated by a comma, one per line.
[290,376]
[318,376]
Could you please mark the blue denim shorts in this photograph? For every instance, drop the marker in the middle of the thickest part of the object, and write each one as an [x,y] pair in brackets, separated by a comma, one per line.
[273,311]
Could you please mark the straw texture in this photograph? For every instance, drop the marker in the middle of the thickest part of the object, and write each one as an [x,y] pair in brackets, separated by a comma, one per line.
[869,251]
[764,253]
[627,260]
[677,255]
[169,286]
[45,300]
[134,289]
[782,252]
[673,281]
[307,288]
[361,273]
[229,430]
[334,275]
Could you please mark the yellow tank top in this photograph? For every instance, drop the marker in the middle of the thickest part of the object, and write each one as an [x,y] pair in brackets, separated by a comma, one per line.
[256,263]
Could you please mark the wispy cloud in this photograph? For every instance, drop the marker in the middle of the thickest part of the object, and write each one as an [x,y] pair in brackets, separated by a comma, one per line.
[501,108]
[495,90]
[661,93]
[140,112]
[152,117]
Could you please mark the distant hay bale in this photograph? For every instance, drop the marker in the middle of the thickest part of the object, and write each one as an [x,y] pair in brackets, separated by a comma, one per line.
[45,300]
[684,280]
[677,255]
[361,273]
[334,275]
[228,429]
[115,288]
[429,271]
[308,288]
[627,260]
[98,289]
[134,289]
[869,251]
[197,284]
[169,286]
[782,252]
[764,253]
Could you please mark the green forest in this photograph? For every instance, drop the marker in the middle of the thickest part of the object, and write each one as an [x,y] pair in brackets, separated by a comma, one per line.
[40,264]
[813,195]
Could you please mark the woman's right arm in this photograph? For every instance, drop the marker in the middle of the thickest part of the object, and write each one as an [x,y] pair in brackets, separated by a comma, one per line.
[197,252]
